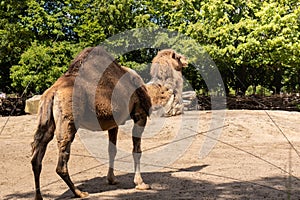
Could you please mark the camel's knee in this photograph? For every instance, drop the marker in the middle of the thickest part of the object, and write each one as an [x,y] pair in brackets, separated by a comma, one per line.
[36,165]
[62,171]
[136,145]
[36,161]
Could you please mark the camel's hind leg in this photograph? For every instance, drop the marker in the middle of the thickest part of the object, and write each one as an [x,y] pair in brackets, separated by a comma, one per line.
[43,136]
[137,132]
[65,136]
[112,151]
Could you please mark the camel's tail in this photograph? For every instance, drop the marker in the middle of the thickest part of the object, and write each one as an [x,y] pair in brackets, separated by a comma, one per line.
[46,124]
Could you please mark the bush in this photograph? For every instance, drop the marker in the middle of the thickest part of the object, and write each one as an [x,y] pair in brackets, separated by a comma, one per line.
[41,65]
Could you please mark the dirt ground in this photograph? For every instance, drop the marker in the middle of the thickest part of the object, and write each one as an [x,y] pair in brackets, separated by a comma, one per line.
[251,159]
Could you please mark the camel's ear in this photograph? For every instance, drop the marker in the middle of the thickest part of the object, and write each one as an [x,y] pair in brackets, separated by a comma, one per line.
[173,55]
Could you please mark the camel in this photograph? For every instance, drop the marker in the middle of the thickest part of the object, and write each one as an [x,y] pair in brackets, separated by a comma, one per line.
[166,70]
[71,101]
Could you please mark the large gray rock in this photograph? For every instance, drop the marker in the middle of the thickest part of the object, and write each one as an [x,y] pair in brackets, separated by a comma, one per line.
[32,104]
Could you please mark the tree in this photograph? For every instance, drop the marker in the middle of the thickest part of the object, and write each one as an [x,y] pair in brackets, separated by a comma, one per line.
[13,38]
[61,28]
[252,43]
[41,65]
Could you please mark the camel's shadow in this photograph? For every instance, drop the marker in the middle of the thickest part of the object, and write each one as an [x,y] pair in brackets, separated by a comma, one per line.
[170,185]
[158,181]
[167,186]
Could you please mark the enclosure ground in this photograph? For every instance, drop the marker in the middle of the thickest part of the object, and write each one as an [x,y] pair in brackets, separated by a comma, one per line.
[252,160]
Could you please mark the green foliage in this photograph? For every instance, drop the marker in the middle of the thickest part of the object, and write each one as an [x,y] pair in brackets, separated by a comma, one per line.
[84,21]
[41,65]
[253,43]
[13,38]
[258,90]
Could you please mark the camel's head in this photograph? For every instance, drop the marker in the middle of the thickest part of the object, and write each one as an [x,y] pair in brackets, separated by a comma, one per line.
[159,95]
[176,60]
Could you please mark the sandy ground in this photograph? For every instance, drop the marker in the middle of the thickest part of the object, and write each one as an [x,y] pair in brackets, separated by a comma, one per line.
[252,159]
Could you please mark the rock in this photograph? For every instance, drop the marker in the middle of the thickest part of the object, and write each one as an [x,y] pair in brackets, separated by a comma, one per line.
[189,99]
[32,104]
[189,95]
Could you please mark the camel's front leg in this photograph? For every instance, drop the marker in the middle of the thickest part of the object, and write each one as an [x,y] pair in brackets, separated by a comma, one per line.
[137,153]
[112,151]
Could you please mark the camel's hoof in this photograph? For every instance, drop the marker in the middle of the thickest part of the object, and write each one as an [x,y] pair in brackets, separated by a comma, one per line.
[143,186]
[81,194]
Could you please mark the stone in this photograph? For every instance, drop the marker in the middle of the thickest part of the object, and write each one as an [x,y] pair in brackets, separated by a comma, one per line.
[32,104]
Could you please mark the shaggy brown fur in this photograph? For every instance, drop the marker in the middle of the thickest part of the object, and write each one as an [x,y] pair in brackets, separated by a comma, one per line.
[88,90]
[166,70]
